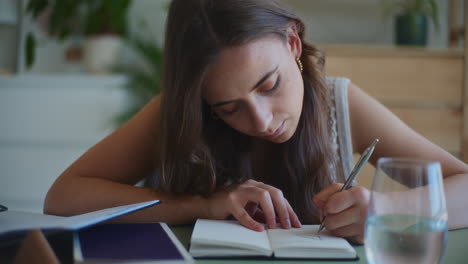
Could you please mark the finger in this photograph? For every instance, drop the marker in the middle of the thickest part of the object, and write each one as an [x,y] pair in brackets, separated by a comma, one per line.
[244,196]
[251,208]
[321,198]
[259,216]
[347,217]
[263,198]
[230,217]
[356,195]
[353,230]
[280,205]
[294,219]
[359,239]
[251,183]
[339,202]
[244,219]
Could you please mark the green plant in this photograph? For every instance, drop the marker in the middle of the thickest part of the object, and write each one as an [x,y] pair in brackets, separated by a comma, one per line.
[144,80]
[82,17]
[412,7]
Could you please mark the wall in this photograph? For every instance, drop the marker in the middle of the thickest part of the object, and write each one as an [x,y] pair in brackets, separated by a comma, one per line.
[328,21]
[356,22]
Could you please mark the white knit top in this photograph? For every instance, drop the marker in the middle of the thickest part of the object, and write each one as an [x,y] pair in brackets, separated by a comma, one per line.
[339,128]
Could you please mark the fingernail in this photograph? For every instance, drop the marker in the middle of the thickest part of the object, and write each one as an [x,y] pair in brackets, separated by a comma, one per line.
[271,225]
[288,223]
[298,223]
[259,227]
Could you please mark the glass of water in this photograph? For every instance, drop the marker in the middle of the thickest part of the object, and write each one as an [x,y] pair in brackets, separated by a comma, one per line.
[407,214]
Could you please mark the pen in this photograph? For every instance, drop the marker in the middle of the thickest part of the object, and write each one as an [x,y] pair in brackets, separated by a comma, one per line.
[356,170]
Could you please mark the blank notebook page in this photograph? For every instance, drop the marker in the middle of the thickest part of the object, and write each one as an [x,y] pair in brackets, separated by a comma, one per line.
[224,232]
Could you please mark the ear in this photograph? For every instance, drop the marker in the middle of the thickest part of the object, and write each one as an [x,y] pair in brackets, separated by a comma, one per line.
[294,42]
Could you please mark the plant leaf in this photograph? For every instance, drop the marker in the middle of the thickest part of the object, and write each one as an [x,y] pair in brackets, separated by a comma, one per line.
[30,50]
[35,7]
[434,13]
[148,50]
[144,82]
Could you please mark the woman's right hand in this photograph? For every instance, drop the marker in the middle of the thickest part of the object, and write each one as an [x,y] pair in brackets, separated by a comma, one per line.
[242,201]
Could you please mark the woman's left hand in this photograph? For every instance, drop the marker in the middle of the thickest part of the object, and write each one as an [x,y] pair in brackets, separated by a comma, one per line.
[346,211]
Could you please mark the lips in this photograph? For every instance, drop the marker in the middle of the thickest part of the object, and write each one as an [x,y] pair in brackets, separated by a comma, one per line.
[277,132]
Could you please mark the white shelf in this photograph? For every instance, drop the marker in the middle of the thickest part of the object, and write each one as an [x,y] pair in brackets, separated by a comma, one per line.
[47,121]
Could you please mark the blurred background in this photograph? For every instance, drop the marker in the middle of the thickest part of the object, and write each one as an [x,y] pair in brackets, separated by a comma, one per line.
[73,71]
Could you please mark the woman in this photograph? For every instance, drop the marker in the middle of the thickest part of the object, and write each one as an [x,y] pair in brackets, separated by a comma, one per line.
[247,126]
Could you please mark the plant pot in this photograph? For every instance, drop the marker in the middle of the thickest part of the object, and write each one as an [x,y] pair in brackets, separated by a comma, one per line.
[101,53]
[411,30]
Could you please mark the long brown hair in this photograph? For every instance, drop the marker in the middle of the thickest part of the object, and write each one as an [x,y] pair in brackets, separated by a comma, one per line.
[200,153]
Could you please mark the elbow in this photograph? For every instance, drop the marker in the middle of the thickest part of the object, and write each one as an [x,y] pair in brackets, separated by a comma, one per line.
[55,199]
[51,204]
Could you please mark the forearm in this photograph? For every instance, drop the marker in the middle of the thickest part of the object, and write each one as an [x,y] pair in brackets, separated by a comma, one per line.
[456,188]
[77,195]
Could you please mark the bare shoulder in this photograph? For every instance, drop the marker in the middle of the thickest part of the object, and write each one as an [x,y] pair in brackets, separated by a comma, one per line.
[370,119]
[363,118]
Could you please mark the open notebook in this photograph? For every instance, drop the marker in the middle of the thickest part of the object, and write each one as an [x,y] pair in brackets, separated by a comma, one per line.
[228,239]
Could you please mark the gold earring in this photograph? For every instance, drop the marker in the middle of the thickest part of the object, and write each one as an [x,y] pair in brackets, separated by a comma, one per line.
[299,63]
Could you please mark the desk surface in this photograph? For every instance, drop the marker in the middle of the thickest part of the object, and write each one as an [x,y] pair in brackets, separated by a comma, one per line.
[456,251]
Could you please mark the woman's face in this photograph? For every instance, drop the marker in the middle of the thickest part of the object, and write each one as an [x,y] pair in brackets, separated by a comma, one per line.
[257,88]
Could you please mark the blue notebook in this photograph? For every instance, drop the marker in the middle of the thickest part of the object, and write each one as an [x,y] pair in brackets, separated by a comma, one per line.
[129,242]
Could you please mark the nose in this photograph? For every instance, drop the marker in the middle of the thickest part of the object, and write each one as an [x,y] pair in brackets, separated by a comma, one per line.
[261,117]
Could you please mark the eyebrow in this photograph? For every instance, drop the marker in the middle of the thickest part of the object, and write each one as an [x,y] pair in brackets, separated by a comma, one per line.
[262,80]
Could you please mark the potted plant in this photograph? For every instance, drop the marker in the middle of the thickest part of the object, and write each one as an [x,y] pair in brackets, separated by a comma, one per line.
[102,23]
[143,79]
[143,72]
[411,19]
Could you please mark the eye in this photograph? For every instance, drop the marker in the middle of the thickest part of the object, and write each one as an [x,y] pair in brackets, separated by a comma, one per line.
[227,112]
[275,86]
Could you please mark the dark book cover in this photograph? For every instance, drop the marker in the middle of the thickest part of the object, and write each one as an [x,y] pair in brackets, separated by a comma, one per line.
[129,241]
